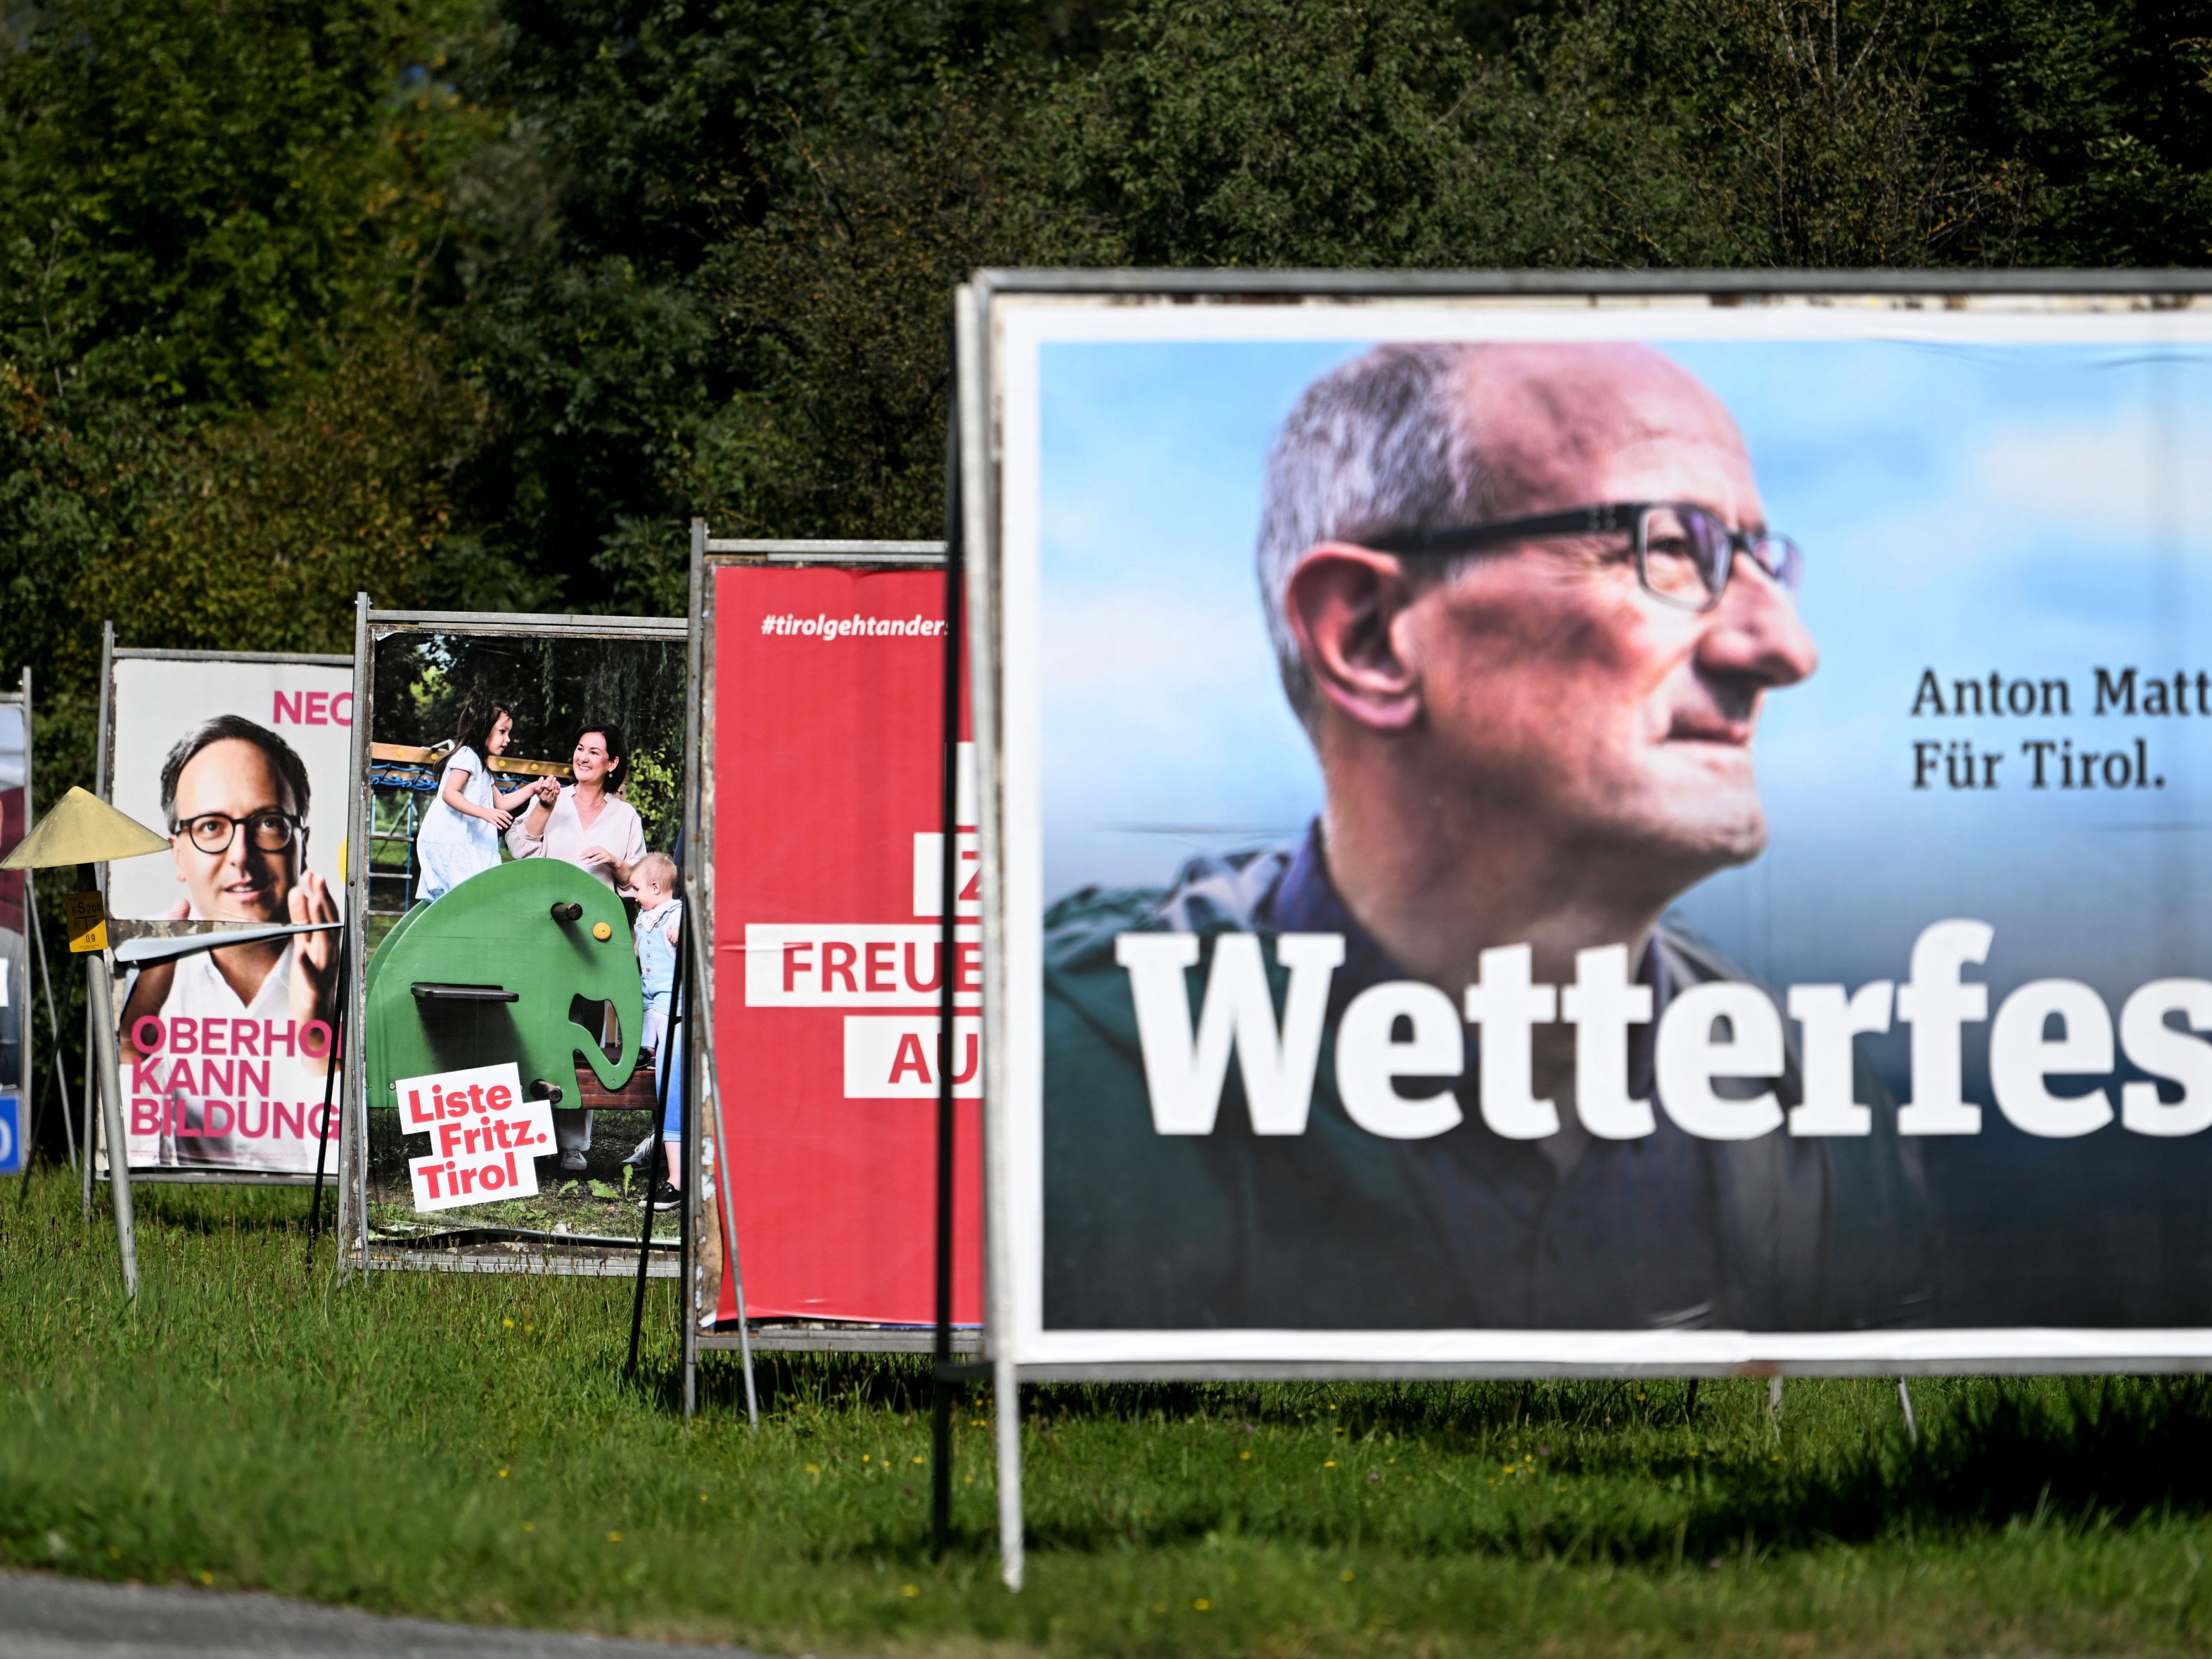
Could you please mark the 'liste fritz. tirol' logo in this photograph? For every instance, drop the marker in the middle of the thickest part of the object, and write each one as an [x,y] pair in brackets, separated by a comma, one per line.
[485,1137]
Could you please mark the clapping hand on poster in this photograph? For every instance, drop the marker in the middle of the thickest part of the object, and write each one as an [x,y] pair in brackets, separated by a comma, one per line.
[314,962]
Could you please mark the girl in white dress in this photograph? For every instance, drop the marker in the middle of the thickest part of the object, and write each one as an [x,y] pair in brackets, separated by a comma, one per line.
[459,837]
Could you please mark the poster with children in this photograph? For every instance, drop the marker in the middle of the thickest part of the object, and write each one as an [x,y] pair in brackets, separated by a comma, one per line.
[525,800]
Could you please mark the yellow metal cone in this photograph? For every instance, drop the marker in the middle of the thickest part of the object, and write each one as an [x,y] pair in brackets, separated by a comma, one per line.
[82,829]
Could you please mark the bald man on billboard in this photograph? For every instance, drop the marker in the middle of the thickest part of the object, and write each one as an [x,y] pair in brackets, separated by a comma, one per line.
[1527,604]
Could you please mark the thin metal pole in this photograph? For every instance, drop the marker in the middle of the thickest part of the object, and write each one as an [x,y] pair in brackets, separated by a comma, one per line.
[91,1108]
[687,1292]
[711,1090]
[688,833]
[349,1203]
[1006,1403]
[655,1164]
[102,738]
[53,1020]
[330,1084]
[948,903]
[972,366]
[110,1105]
[1904,1401]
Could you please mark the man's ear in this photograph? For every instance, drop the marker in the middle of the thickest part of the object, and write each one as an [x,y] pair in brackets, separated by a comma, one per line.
[1345,603]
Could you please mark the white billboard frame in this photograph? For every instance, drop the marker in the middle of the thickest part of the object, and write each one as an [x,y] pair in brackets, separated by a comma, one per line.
[103,786]
[357,1250]
[982,432]
[708,554]
[1001,316]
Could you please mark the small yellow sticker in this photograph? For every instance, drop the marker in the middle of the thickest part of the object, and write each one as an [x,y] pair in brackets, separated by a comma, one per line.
[86,920]
[601,931]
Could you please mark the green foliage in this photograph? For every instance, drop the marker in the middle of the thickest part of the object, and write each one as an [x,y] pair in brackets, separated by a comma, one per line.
[647,131]
[220,410]
[272,521]
[655,789]
[472,303]
[191,194]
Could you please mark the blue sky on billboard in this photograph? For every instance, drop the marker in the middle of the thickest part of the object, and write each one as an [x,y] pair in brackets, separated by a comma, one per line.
[2035,509]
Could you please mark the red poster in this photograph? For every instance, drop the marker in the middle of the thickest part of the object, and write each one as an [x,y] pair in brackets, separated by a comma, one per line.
[828,776]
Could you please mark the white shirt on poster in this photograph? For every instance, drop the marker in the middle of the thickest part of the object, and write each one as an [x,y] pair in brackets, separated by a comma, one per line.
[617,829]
[266,1105]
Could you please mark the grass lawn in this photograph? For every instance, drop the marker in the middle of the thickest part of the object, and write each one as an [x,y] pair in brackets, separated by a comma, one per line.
[462,1446]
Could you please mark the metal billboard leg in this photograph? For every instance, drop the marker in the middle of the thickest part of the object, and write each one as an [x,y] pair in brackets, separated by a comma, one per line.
[102,1012]
[334,1053]
[53,1020]
[709,1110]
[1006,1394]
[91,1109]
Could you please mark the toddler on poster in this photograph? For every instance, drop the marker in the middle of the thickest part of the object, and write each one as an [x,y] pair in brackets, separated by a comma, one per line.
[660,925]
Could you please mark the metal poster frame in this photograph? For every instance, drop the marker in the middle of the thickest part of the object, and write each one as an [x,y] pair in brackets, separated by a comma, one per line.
[357,1251]
[708,554]
[103,766]
[981,437]
[35,959]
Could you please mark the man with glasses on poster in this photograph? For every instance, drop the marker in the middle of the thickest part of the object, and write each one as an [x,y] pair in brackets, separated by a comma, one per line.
[235,796]
[1525,602]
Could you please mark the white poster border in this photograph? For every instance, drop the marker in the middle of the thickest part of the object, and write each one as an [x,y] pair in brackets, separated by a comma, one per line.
[358,1251]
[1005,318]
[711,554]
[96,1164]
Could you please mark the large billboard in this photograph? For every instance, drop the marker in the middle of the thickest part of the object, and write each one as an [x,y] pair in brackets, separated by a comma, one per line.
[1595,830]
[824,827]
[241,760]
[520,813]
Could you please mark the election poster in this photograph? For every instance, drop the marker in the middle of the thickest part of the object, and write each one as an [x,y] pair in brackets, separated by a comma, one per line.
[241,760]
[16,1008]
[826,833]
[523,792]
[1631,828]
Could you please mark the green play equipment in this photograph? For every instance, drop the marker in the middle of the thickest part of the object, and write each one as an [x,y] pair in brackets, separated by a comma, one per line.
[494,971]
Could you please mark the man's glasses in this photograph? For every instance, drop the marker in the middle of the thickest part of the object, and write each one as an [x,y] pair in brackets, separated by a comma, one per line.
[268,831]
[1684,553]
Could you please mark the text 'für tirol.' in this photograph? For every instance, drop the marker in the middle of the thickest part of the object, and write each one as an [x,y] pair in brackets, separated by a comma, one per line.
[2046,760]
